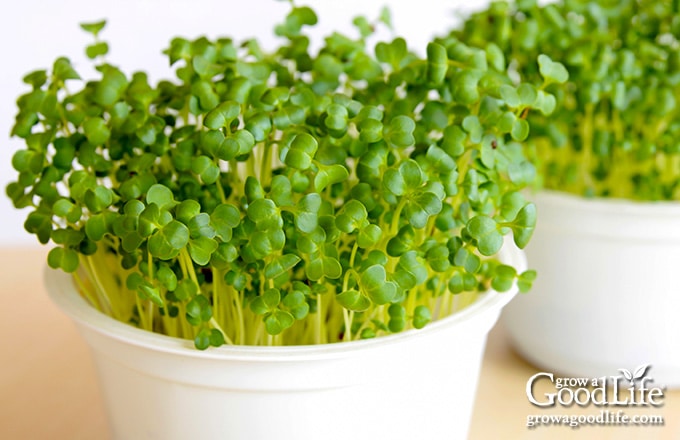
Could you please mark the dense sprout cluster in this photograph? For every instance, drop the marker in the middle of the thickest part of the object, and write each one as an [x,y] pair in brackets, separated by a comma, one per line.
[616,130]
[281,197]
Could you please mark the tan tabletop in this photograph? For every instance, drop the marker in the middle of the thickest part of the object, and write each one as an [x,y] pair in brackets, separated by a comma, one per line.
[48,388]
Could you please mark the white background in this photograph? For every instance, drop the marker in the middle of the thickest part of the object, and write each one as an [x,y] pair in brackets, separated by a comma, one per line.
[35,32]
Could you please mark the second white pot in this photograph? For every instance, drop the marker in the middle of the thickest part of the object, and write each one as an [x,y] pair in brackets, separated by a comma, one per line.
[607,294]
[417,384]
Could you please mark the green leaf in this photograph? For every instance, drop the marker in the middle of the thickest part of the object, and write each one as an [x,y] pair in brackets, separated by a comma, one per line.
[524,224]
[394,182]
[414,266]
[509,95]
[374,282]
[525,280]
[400,132]
[36,78]
[453,141]
[330,175]
[369,236]
[216,338]
[351,217]
[296,302]
[296,19]
[440,160]
[204,92]
[186,289]
[485,230]
[506,123]
[336,119]
[456,283]
[160,195]
[187,210]
[301,151]
[473,127]
[253,190]
[199,310]
[277,321]
[63,70]
[522,173]
[504,278]
[545,103]
[61,258]
[96,50]
[552,71]
[27,161]
[93,28]
[306,218]
[520,130]
[98,199]
[260,125]
[201,249]
[495,57]
[412,173]
[281,191]
[167,277]
[437,63]
[222,115]
[149,220]
[370,130]
[465,86]
[265,214]
[281,265]
[65,209]
[200,226]
[202,339]
[205,67]
[421,316]
[324,266]
[225,254]
[421,207]
[266,302]
[96,131]
[397,321]
[438,258]
[206,168]
[96,226]
[467,260]
[511,204]
[265,243]
[386,17]
[224,219]
[167,242]
[110,89]
[68,237]
[527,94]
[353,300]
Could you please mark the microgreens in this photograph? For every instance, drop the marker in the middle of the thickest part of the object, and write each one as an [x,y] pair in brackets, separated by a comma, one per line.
[616,127]
[280,197]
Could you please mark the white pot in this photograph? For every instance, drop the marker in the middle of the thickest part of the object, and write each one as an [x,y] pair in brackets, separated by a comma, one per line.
[607,294]
[417,384]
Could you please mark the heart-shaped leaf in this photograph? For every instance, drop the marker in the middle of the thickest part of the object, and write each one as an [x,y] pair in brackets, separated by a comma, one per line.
[485,230]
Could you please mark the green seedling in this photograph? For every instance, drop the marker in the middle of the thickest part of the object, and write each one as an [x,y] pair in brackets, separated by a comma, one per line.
[283,197]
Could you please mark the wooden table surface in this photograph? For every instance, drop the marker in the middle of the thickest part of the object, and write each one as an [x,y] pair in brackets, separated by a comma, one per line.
[48,388]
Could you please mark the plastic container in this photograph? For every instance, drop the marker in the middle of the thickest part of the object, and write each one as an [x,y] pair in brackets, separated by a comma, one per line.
[607,294]
[417,384]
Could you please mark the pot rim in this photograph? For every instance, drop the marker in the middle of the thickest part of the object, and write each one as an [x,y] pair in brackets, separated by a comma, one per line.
[62,292]
[628,207]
